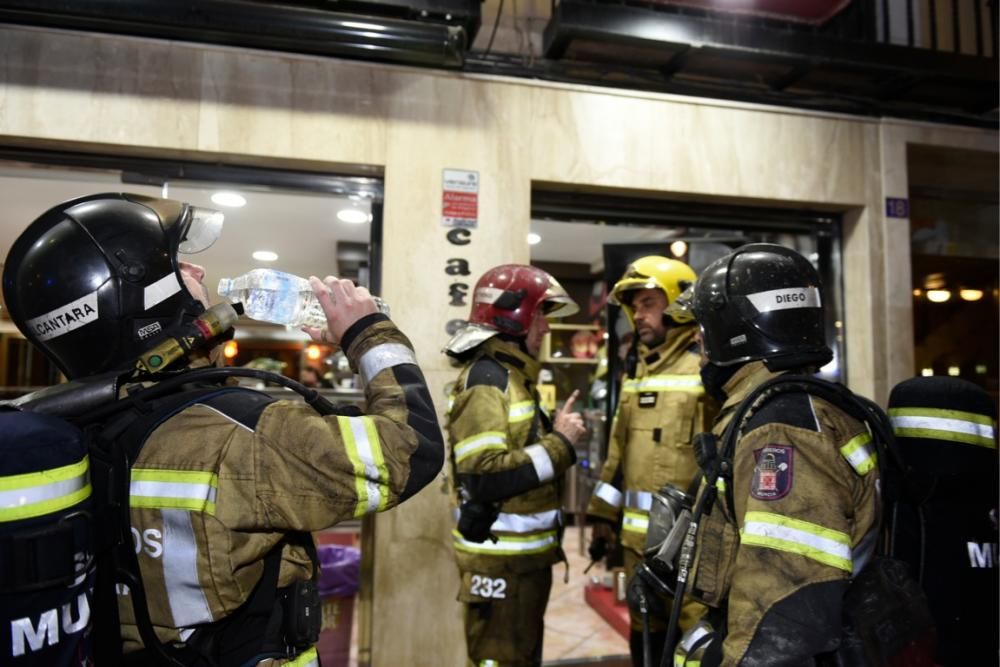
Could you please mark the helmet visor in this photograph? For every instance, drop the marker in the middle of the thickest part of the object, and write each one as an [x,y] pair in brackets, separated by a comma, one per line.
[204,228]
[681,309]
[560,306]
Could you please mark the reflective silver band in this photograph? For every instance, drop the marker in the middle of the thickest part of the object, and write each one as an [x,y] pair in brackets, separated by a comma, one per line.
[188,604]
[640,500]
[542,462]
[526,523]
[384,356]
[608,494]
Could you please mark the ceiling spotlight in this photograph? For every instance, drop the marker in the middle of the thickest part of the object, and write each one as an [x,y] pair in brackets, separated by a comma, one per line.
[970,294]
[954,371]
[231,349]
[927,372]
[938,295]
[265,256]
[934,281]
[353,216]
[230,199]
[678,248]
[534,239]
[917,292]
[313,353]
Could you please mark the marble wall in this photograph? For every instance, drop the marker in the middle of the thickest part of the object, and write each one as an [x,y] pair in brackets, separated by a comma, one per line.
[121,95]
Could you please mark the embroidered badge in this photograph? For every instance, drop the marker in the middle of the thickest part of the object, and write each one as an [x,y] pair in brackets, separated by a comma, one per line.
[647,399]
[772,475]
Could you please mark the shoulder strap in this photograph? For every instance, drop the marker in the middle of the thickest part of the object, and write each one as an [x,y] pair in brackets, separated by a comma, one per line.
[116,447]
[898,478]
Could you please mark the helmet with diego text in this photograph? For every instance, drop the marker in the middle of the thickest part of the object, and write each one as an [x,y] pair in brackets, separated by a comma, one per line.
[761,302]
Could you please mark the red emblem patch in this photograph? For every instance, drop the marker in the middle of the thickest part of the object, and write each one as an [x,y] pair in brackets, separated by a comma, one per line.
[772,474]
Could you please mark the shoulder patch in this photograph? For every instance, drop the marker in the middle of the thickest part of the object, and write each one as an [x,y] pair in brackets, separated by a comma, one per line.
[793,409]
[489,372]
[772,472]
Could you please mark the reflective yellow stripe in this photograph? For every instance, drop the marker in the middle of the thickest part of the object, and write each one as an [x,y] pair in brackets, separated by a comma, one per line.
[509,545]
[44,492]
[960,415]
[858,453]
[191,490]
[308,658]
[951,425]
[371,475]
[720,483]
[683,383]
[478,443]
[520,412]
[781,533]
[635,522]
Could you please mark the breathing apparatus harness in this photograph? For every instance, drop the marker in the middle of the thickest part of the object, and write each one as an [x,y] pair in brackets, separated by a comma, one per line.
[716,463]
[118,428]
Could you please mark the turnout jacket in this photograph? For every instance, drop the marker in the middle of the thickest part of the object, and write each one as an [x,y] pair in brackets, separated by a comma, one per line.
[504,451]
[806,508]
[658,414]
[220,483]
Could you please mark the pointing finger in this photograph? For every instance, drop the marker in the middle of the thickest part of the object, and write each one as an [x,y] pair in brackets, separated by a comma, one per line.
[568,406]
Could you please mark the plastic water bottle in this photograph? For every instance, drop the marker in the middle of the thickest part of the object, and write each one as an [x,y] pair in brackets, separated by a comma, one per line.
[279,297]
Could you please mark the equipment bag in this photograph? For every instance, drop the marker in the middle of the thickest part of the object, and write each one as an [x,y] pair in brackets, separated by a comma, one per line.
[46,542]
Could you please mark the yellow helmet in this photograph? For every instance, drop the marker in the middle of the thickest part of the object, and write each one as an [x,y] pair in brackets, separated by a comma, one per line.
[670,276]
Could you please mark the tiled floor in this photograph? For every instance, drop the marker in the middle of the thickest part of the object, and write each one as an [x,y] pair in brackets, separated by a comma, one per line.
[572,628]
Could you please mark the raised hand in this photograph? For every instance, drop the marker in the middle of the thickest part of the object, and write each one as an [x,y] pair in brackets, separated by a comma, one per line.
[569,423]
[342,303]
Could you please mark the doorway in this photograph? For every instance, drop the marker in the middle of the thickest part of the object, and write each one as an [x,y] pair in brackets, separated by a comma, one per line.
[586,239]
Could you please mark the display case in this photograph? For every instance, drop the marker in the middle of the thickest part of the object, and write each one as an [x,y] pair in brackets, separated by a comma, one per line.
[571,344]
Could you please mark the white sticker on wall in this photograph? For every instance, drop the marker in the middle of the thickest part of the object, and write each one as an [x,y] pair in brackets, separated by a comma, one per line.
[784,299]
[66,318]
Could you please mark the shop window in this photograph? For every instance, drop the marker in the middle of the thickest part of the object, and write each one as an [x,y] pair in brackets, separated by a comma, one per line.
[954,239]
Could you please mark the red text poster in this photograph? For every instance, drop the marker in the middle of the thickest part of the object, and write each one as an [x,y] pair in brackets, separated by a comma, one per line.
[460,199]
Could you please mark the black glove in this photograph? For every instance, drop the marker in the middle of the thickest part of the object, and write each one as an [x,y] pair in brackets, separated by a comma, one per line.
[475,519]
[598,549]
[642,593]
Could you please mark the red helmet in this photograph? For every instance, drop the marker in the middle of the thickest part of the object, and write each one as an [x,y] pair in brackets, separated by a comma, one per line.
[505,301]
[506,297]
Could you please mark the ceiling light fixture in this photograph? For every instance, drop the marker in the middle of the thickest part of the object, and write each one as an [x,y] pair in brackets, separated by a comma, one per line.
[534,239]
[678,248]
[265,256]
[917,292]
[927,372]
[954,371]
[313,353]
[353,216]
[938,295]
[934,281]
[231,349]
[970,294]
[230,199]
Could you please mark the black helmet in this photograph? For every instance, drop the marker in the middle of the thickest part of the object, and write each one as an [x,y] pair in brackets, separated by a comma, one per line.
[94,282]
[761,302]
